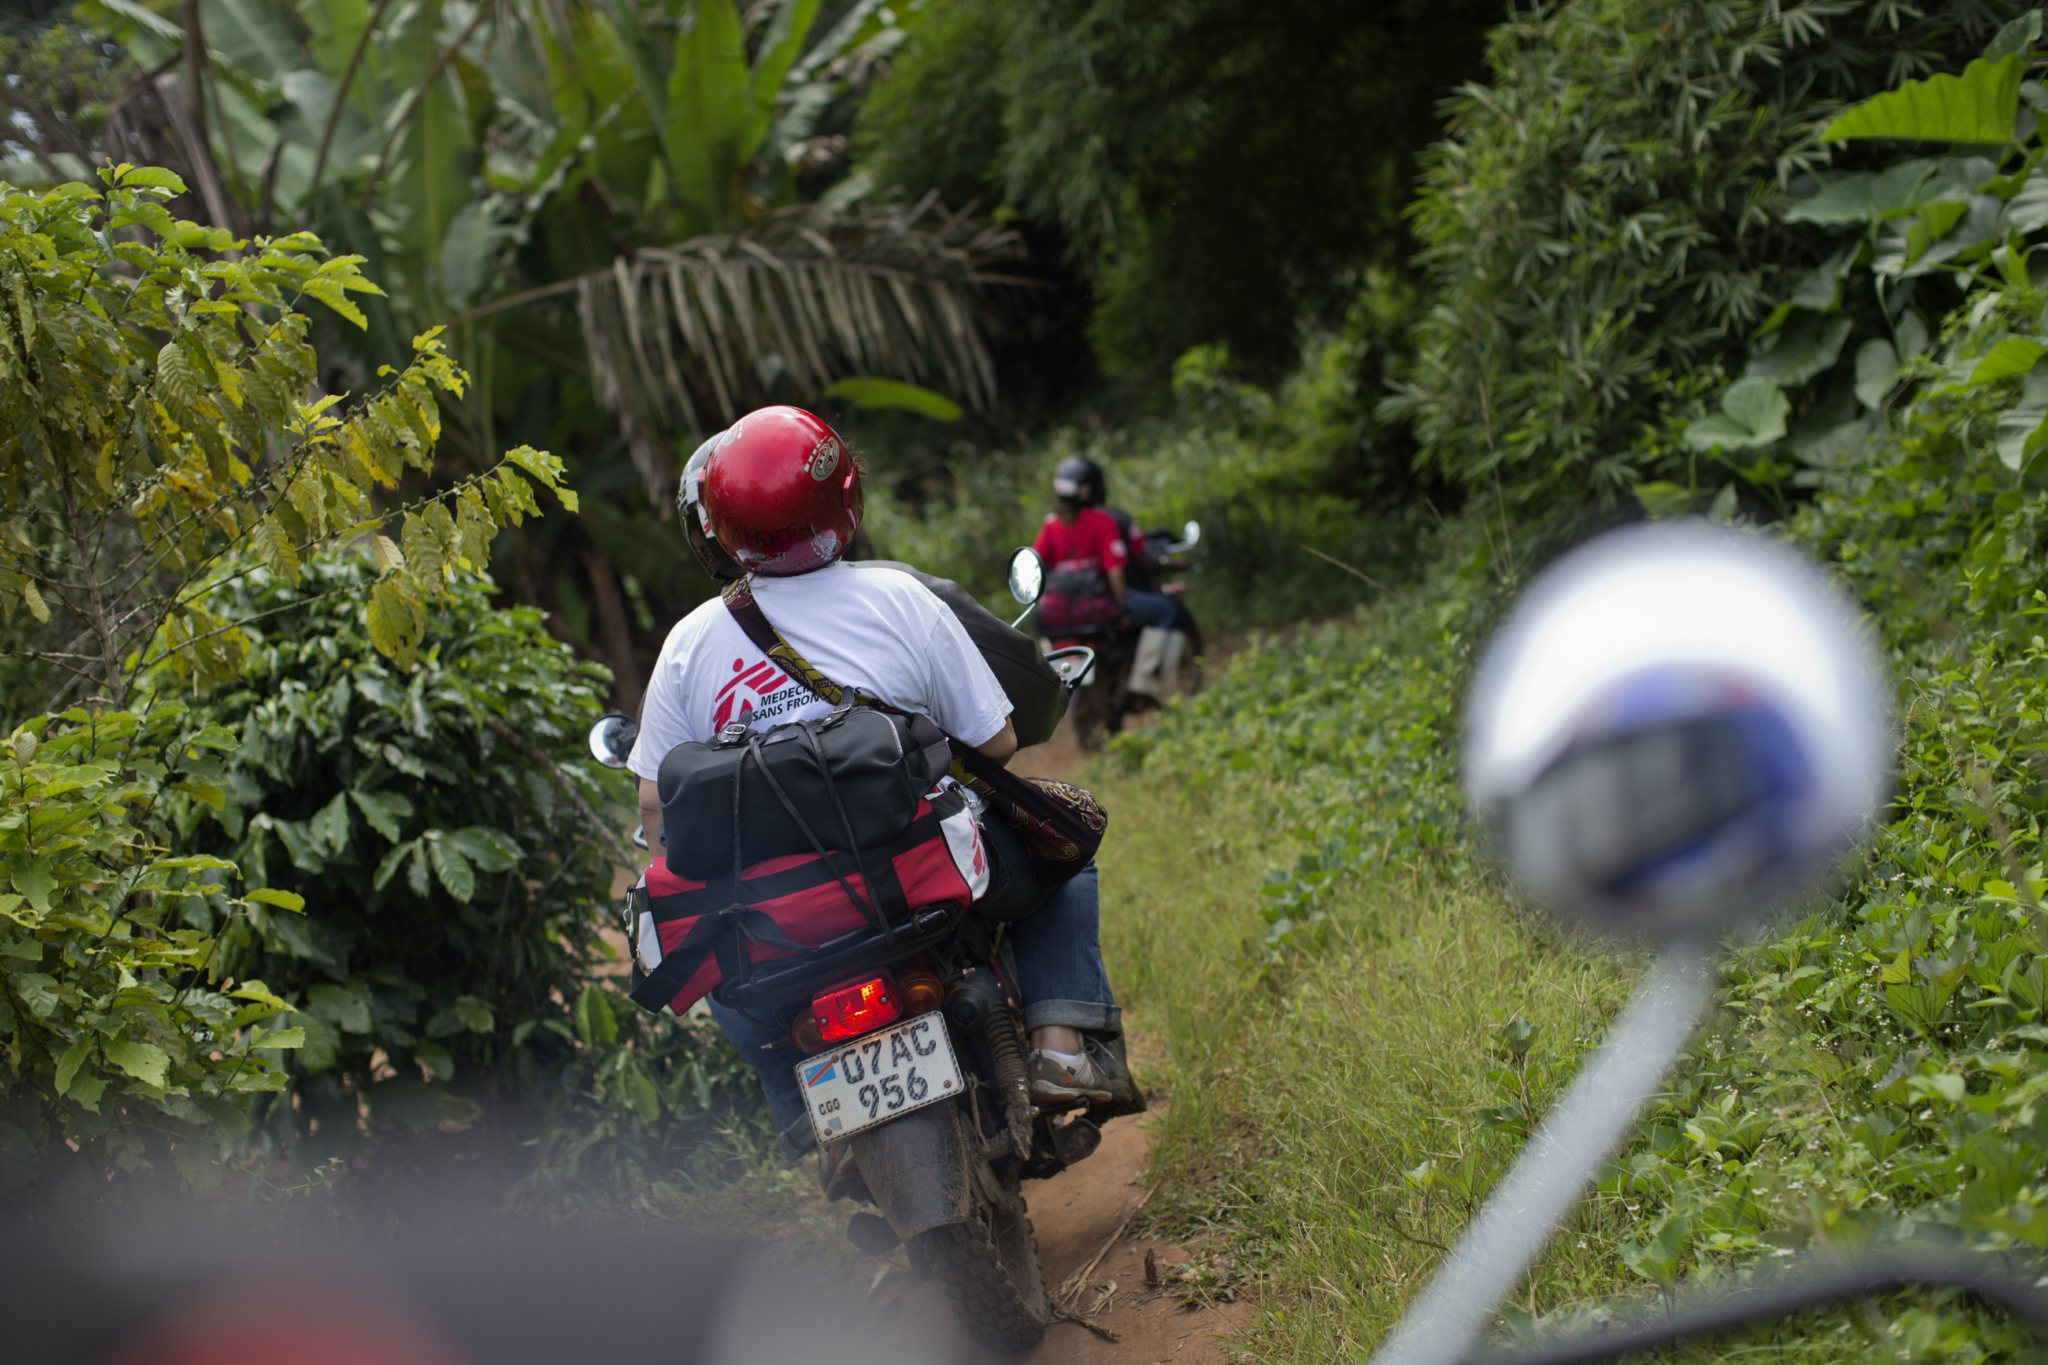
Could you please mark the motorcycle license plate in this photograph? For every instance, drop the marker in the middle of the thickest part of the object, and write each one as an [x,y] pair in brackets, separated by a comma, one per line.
[880,1077]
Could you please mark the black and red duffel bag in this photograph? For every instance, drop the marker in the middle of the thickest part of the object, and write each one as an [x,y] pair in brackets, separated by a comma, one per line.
[849,846]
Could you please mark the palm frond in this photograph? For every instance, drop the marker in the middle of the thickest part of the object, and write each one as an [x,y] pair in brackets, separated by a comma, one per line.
[686,336]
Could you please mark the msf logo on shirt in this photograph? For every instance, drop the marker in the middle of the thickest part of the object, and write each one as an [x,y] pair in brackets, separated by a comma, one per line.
[743,694]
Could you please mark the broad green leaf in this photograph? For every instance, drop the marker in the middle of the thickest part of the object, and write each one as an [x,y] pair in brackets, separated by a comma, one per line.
[1836,447]
[1722,509]
[284,1037]
[2028,210]
[345,1007]
[1978,106]
[2023,430]
[389,867]
[251,36]
[197,862]
[383,809]
[304,849]
[38,991]
[146,1062]
[2014,355]
[864,391]
[490,849]
[322,1046]
[258,992]
[451,869]
[2016,37]
[1752,414]
[1910,336]
[1806,346]
[1660,500]
[283,900]
[468,251]
[36,880]
[595,1022]
[330,825]
[440,1064]
[707,114]
[1877,372]
[778,52]
[156,25]
[639,1091]
[1936,221]
[67,1065]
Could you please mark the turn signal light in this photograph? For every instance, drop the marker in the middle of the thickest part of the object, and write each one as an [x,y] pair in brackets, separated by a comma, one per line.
[922,993]
[853,1010]
[806,1034]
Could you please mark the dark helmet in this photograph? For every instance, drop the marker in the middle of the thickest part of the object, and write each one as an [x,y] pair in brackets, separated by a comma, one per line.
[1079,479]
[696,525]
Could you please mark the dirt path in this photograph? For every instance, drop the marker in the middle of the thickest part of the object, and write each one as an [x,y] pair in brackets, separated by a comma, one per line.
[1075,1213]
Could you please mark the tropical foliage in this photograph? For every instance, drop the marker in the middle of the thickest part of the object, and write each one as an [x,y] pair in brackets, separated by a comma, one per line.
[138,473]
[126,1048]
[161,458]
[1217,170]
[1875,1071]
[1598,231]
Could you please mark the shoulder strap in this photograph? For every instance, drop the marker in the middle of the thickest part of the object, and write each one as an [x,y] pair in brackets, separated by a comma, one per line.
[739,600]
[924,731]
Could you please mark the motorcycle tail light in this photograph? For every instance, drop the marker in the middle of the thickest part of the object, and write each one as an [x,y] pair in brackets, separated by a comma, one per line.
[806,1034]
[922,992]
[859,1008]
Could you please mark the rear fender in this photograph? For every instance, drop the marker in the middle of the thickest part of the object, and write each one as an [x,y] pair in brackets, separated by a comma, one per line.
[917,1169]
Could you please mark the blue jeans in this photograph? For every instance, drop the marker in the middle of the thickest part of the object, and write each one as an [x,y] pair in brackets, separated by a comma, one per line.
[1052,936]
[1158,609]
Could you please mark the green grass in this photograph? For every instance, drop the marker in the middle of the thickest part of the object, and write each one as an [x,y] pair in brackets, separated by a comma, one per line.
[1298,1099]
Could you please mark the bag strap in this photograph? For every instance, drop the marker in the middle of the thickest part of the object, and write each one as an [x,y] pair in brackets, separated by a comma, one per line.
[735,926]
[739,600]
[869,910]
[936,743]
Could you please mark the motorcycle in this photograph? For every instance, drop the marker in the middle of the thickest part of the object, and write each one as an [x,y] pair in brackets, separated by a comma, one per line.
[1108,697]
[913,1068]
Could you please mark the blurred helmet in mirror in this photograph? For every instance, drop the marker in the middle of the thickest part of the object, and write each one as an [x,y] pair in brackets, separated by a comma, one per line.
[611,739]
[1679,727]
[1027,576]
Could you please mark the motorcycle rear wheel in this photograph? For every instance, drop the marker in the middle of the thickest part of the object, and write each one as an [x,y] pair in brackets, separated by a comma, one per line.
[990,1268]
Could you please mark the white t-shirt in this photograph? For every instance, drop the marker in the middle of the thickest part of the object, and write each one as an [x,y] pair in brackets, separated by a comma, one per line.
[877,630]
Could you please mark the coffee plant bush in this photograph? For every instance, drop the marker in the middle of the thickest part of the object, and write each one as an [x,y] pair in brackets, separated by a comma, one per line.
[123,1048]
[441,828]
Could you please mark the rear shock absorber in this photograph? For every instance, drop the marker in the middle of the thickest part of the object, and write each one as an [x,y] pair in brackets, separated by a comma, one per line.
[977,1005]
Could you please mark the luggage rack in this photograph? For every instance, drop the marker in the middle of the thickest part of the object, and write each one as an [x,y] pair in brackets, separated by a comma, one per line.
[796,978]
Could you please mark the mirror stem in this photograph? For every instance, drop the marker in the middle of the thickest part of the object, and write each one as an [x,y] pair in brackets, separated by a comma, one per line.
[1594,1117]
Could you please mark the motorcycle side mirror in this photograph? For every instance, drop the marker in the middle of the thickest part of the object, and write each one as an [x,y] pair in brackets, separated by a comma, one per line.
[1027,576]
[611,739]
[1191,534]
[1680,727]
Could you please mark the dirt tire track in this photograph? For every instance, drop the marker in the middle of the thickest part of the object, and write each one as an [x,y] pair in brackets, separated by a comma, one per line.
[1075,1212]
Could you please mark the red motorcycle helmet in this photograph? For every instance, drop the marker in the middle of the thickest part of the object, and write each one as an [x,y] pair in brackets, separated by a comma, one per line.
[782,493]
